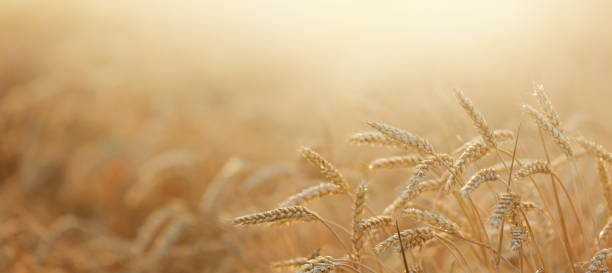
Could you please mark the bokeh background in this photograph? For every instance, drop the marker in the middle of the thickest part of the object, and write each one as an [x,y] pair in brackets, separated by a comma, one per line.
[101,98]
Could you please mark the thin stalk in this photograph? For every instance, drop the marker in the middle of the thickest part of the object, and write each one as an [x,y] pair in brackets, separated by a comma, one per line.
[559,210]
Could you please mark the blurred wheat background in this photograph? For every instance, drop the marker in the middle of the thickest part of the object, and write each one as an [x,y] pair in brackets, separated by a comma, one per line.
[111,111]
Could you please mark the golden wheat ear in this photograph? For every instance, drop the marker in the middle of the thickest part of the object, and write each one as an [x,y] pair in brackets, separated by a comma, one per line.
[411,238]
[312,193]
[479,122]
[558,137]
[546,106]
[599,262]
[435,220]
[285,215]
[395,162]
[408,140]
[358,209]
[595,149]
[327,169]
[484,175]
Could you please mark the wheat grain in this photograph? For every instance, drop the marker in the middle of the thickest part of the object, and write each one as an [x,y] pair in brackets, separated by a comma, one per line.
[373,139]
[395,162]
[606,232]
[321,264]
[501,135]
[315,192]
[402,200]
[606,183]
[532,168]
[286,215]
[479,121]
[599,262]
[405,138]
[505,207]
[526,205]
[480,177]
[595,149]
[558,137]
[357,235]
[424,167]
[327,169]
[436,220]
[411,238]
[546,105]
[519,234]
[290,264]
[375,222]
[472,153]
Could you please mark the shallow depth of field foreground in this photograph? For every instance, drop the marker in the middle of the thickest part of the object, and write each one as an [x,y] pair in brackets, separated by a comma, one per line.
[266,136]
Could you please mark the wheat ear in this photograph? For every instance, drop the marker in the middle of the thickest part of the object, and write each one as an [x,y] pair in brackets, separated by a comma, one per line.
[546,106]
[477,179]
[501,135]
[372,139]
[479,121]
[558,137]
[606,184]
[532,168]
[327,169]
[435,220]
[375,222]
[599,262]
[405,138]
[395,162]
[595,149]
[410,237]
[357,235]
[284,215]
[321,264]
[505,206]
[315,192]
[289,264]
[606,232]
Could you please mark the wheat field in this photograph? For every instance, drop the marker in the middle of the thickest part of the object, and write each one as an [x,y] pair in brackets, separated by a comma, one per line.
[266,136]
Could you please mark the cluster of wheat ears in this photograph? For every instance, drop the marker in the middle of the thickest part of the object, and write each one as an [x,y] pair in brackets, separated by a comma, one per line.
[535,206]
